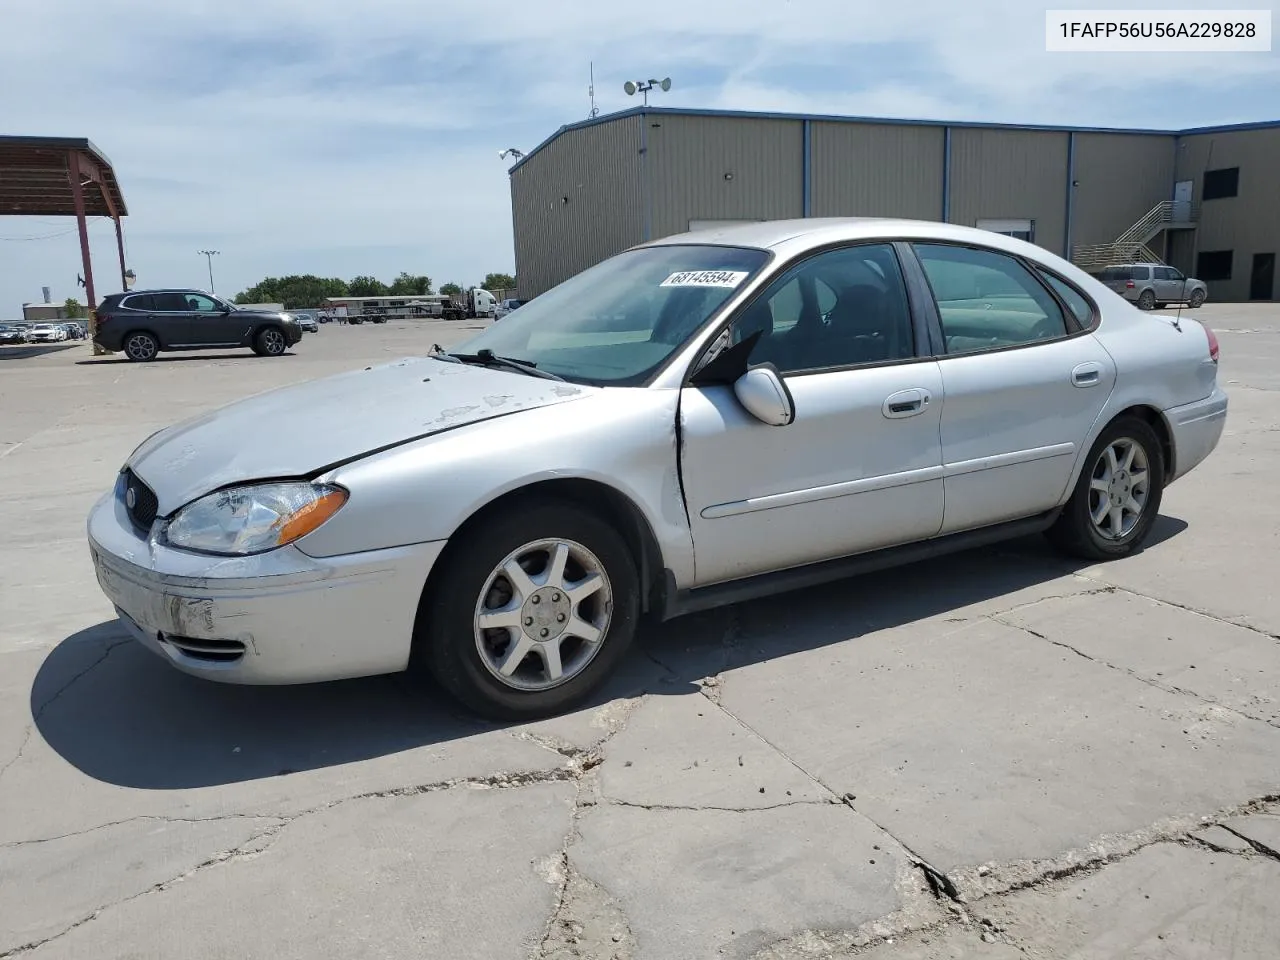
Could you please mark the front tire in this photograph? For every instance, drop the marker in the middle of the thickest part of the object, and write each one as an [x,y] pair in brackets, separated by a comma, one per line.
[269,342]
[1197,300]
[1117,497]
[141,347]
[532,611]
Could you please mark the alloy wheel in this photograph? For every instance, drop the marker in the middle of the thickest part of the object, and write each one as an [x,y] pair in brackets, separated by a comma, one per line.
[273,341]
[140,347]
[1119,488]
[543,614]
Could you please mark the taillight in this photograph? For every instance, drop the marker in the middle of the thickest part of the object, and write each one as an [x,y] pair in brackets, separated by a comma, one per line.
[1213,344]
[1128,285]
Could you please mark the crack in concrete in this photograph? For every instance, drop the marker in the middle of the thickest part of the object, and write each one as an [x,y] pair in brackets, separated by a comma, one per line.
[554,744]
[247,850]
[847,799]
[26,738]
[1026,604]
[1189,609]
[1257,845]
[553,946]
[1134,674]
[997,879]
[572,771]
[139,819]
[39,711]
[669,807]
[106,652]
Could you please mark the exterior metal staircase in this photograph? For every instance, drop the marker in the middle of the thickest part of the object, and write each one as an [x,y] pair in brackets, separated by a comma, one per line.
[1131,246]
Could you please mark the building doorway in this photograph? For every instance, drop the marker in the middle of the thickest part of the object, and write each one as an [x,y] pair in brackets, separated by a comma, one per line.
[1262,278]
[1019,229]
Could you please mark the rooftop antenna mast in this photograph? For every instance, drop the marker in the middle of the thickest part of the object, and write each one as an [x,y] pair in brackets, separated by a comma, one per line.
[591,92]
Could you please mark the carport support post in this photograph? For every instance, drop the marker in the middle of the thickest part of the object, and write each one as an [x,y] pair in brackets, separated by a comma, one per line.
[124,279]
[77,197]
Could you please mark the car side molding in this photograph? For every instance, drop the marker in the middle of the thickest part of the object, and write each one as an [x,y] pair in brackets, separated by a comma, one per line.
[678,603]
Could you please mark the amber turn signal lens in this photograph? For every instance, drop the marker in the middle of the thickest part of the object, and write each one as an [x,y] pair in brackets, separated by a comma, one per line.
[308,518]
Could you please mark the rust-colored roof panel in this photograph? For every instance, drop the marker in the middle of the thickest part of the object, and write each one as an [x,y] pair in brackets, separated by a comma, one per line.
[35,181]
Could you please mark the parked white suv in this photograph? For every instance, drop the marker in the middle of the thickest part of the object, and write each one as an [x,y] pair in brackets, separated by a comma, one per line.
[1154,285]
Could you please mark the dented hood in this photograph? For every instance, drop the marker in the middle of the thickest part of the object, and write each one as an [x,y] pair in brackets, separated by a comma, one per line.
[299,430]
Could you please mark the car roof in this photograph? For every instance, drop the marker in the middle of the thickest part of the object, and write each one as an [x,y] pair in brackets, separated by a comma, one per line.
[166,290]
[790,237]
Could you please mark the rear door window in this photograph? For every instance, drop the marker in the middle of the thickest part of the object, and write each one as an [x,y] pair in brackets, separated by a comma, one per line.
[139,301]
[987,300]
[171,303]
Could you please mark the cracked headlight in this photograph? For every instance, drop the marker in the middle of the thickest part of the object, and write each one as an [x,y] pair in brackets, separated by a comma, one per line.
[254,518]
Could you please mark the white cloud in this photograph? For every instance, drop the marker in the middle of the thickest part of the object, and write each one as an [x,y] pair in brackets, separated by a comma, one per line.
[345,138]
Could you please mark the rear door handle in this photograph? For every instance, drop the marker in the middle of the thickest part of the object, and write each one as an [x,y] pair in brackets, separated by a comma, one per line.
[1086,375]
[906,403]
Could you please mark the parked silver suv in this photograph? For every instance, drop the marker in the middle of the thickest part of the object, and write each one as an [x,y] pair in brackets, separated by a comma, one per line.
[1154,285]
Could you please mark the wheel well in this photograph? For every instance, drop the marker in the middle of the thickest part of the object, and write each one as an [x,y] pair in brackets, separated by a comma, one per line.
[599,498]
[149,332]
[1157,423]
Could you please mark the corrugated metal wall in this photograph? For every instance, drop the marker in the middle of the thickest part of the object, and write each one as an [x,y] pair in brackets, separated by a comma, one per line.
[1014,174]
[599,189]
[576,202]
[689,158]
[1121,177]
[876,170]
[1246,224]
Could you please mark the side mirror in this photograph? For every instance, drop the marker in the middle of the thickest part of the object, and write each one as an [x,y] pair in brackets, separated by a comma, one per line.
[764,394]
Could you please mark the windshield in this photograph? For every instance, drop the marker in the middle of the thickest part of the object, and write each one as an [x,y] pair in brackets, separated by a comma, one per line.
[617,322]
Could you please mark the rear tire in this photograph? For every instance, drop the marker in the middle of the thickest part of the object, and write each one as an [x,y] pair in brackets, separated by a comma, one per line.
[1117,496]
[269,342]
[558,625]
[141,347]
[1147,301]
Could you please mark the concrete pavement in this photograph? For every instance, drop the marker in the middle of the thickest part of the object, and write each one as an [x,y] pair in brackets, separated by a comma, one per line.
[995,755]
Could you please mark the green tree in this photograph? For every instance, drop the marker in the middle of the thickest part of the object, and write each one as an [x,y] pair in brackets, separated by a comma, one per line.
[74,308]
[499,281]
[366,287]
[295,291]
[410,286]
[450,289]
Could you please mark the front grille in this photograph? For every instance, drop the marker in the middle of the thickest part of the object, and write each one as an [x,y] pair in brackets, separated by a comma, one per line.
[139,502]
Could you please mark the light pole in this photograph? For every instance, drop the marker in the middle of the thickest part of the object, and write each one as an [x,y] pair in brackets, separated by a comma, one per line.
[511,152]
[208,256]
[644,86]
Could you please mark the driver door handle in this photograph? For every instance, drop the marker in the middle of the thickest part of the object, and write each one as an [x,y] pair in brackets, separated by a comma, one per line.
[906,403]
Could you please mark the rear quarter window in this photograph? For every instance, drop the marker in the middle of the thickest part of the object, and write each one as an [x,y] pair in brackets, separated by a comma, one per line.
[139,301]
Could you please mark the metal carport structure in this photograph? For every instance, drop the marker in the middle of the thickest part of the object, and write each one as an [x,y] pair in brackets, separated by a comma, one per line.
[63,176]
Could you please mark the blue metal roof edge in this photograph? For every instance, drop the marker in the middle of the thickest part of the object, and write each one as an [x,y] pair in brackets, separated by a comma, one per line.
[888,121]
[1231,128]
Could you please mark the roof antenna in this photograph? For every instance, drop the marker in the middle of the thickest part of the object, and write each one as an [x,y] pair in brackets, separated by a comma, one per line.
[591,92]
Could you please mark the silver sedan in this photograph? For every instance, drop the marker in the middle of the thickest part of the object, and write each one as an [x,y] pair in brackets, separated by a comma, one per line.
[693,422]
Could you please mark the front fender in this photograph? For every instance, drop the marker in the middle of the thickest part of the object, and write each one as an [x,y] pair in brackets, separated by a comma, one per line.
[623,438]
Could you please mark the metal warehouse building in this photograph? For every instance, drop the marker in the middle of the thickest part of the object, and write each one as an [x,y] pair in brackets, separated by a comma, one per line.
[1206,200]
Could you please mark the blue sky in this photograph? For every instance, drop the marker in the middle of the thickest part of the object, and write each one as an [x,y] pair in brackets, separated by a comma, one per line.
[340,138]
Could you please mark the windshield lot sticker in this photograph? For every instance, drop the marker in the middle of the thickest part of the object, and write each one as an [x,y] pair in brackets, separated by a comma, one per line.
[705,278]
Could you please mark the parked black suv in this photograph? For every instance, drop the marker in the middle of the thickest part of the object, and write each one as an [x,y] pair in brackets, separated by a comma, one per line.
[148,321]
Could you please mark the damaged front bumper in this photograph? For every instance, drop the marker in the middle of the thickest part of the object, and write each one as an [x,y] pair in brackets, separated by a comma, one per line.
[277,617]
